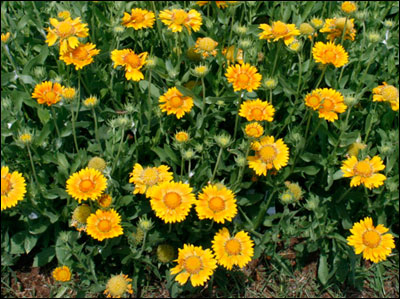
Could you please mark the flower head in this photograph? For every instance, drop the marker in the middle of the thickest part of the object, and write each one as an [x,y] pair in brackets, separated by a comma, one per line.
[330,53]
[201,70]
[68,93]
[232,250]
[349,7]
[138,19]
[131,62]
[104,200]
[370,240]
[25,138]
[90,102]
[97,163]
[171,201]
[254,130]
[279,30]
[355,147]
[206,46]
[269,154]
[118,285]
[336,26]
[387,93]
[195,263]
[243,77]
[13,188]
[230,55]
[5,37]
[79,217]
[217,203]
[80,56]
[364,171]
[257,110]
[146,178]
[174,102]
[181,136]
[327,101]
[104,225]
[67,30]
[62,274]
[86,184]
[317,23]
[176,19]
[165,253]
[48,93]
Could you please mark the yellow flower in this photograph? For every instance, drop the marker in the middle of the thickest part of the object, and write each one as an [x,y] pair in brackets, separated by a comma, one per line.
[67,31]
[104,200]
[182,136]
[268,154]
[217,203]
[364,172]
[254,130]
[13,188]
[138,19]
[5,37]
[220,4]
[175,19]
[97,163]
[68,93]
[79,217]
[270,83]
[206,46]
[173,102]
[90,102]
[117,286]
[335,28]
[236,250]
[171,201]
[370,240]
[200,71]
[387,93]
[243,76]
[317,23]
[47,93]
[355,147]
[25,138]
[131,62]
[81,55]
[295,190]
[195,263]
[104,225]
[306,29]
[349,7]
[279,30]
[62,274]
[229,53]
[257,110]
[86,183]
[148,177]
[330,53]
[295,45]
[327,101]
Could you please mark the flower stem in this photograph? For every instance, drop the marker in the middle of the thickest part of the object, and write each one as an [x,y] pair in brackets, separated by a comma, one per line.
[263,210]
[204,96]
[342,129]
[237,116]
[300,71]
[55,121]
[96,130]
[33,168]
[322,75]
[344,31]
[73,129]
[216,164]
[119,149]
[149,104]
[276,57]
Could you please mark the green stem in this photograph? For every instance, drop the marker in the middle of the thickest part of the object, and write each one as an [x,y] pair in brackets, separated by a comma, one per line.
[96,130]
[312,46]
[276,57]
[33,168]
[340,76]
[216,164]
[370,124]
[211,226]
[342,129]
[144,243]
[322,75]
[263,210]
[73,129]
[119,148]
[237,116]
[182,166]
[204,96]
[382,285]
[344,31]
[55,121]
[270,96]
[149,104]
[300,74]
[241,170]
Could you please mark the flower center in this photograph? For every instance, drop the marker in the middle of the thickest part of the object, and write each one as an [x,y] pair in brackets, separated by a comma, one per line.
[132,60]
[5,186]
[207,44]
[117,286]
[314,101]
[179,17]
[172,200]
[50,96]
[268,153]
[176,101]
[279,29]
[80,53]
[243,78]
[216,204]
[330,55]
[257,113]
[253,132]
[138,18]
[328,104]
[65,28]
[86,185]
[193,264]
[390,93]
[104,226]
[371,239]
[233,247]
[363,168]
[150,176]
[63,275]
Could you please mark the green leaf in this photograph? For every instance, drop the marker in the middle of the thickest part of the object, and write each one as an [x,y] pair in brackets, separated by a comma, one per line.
[323,271]
[309,170]
[44,115]
[44,257]
[30,242]
[17,243]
